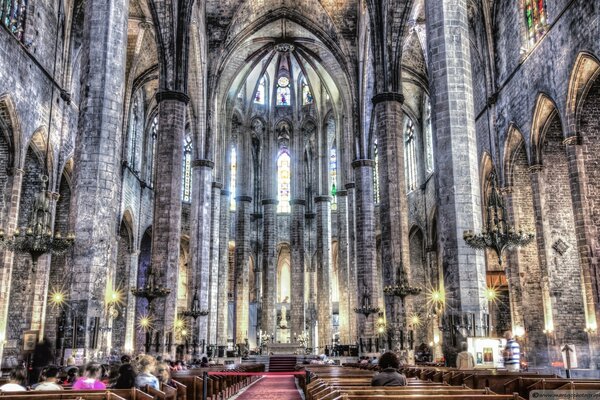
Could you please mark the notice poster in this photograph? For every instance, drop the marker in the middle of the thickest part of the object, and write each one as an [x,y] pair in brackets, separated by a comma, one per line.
[487,351]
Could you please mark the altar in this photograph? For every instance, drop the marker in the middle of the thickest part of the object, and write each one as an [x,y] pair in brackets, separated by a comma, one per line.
[284,348]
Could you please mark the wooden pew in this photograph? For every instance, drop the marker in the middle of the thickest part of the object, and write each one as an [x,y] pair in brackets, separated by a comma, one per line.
[126,394]
[61,395]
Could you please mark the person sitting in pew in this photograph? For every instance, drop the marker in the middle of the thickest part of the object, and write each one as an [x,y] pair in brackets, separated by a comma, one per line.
[389,375]
[16,381]
[91,378]
[126,379]
[163,373]
[145,377]
[48,379]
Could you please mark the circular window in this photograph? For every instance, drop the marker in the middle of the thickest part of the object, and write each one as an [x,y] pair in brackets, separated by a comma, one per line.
[283,81]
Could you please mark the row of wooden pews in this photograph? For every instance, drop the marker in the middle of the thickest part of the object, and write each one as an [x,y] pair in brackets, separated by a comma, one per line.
[337,383]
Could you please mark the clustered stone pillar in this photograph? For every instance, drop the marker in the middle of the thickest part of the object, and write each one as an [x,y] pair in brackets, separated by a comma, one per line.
[166,227]
[297,267]
[268,317]
[393,204]
[215,281]
[97,157]
[223,295]
[343,267]
[366,262]
[352,283]
[458,198]
[242,273]
[200,242]
[324,273]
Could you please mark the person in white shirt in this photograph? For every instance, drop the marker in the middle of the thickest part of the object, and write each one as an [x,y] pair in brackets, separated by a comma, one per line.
[48,379]
[16,381]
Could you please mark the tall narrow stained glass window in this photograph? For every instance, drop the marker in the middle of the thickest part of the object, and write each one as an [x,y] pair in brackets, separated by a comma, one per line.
[410,156]
[333,177]
[536,20]
[13,14]
[153,138]
[283,182]
[133,133]
[186,187]
[307,97]
[283,91]
[233,179]
[376,171]
[259,96]
[428,137]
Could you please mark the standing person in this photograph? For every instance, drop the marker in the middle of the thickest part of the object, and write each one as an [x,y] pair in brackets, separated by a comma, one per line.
[145,377]
[42,357]
[465,360]
[91,378]
[16,381]
[389,375]
[512,353]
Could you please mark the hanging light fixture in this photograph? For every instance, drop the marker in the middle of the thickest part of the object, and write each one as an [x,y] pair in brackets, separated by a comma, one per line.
[195,311]
[497,235]
[38,237]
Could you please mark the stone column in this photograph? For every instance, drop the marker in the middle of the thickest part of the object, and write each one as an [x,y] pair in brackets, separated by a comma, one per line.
[200,241]
[130,313]
[366,262]
[223,299]
[268,315]
[352,283]
[393,209]
[95,203]
[323,267]
[297,263]
[215,281]
[457,164]
[343,268]
[242,273]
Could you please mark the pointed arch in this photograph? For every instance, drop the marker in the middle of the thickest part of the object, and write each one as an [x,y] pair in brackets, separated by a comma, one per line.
[543,114]
[513,143]
[485,169]
[39,145]
[11,128]
[585,71]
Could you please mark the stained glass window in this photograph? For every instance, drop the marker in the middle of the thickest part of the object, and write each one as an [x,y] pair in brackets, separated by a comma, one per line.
[428,137]
[333,177]
[376,171]
[153,138]
[410,156]
[283,91]
[232,179]
[536,20]
[186,187]
[133,133]
[307,97]
[283,182]
[259,96]
[13,14]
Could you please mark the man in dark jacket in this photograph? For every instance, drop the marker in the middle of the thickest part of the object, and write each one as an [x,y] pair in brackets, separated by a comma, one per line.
[389,375]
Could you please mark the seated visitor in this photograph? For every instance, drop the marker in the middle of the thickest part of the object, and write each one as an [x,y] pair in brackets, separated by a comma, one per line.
[204,362]
[126,378]
[91,378]
[464,359]
[145,377]
[49,379]
[389,375]
[163,373]
[16,381]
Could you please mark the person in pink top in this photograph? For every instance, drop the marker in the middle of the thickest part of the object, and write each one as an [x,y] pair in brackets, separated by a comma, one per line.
[91,378]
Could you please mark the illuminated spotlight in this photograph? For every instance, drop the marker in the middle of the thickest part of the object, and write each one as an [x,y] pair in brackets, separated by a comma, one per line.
[491,293]
[145,322]
[115,297]
[436,299]
[415,320]
[179,324]
[57,298]
[184,332]
[381,329]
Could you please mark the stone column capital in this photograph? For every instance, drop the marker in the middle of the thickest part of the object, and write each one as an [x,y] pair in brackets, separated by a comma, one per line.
[203,163]
[172,95]
[319,199]
[266,202]
[244,198]
[217,185]
[342,193]
[310,215]
[387,96]
[572,141]
[362,163]
[350,185]
[299,202]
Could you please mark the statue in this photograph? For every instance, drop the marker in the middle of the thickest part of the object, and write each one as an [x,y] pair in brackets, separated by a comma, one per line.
[283,323]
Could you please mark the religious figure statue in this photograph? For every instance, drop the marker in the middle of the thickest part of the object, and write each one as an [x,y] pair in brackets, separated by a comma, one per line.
[283,323]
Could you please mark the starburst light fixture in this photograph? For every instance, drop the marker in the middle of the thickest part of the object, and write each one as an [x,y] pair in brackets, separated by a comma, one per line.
[497,235]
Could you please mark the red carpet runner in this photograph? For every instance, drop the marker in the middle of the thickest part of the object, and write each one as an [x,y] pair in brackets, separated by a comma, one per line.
[272,388]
